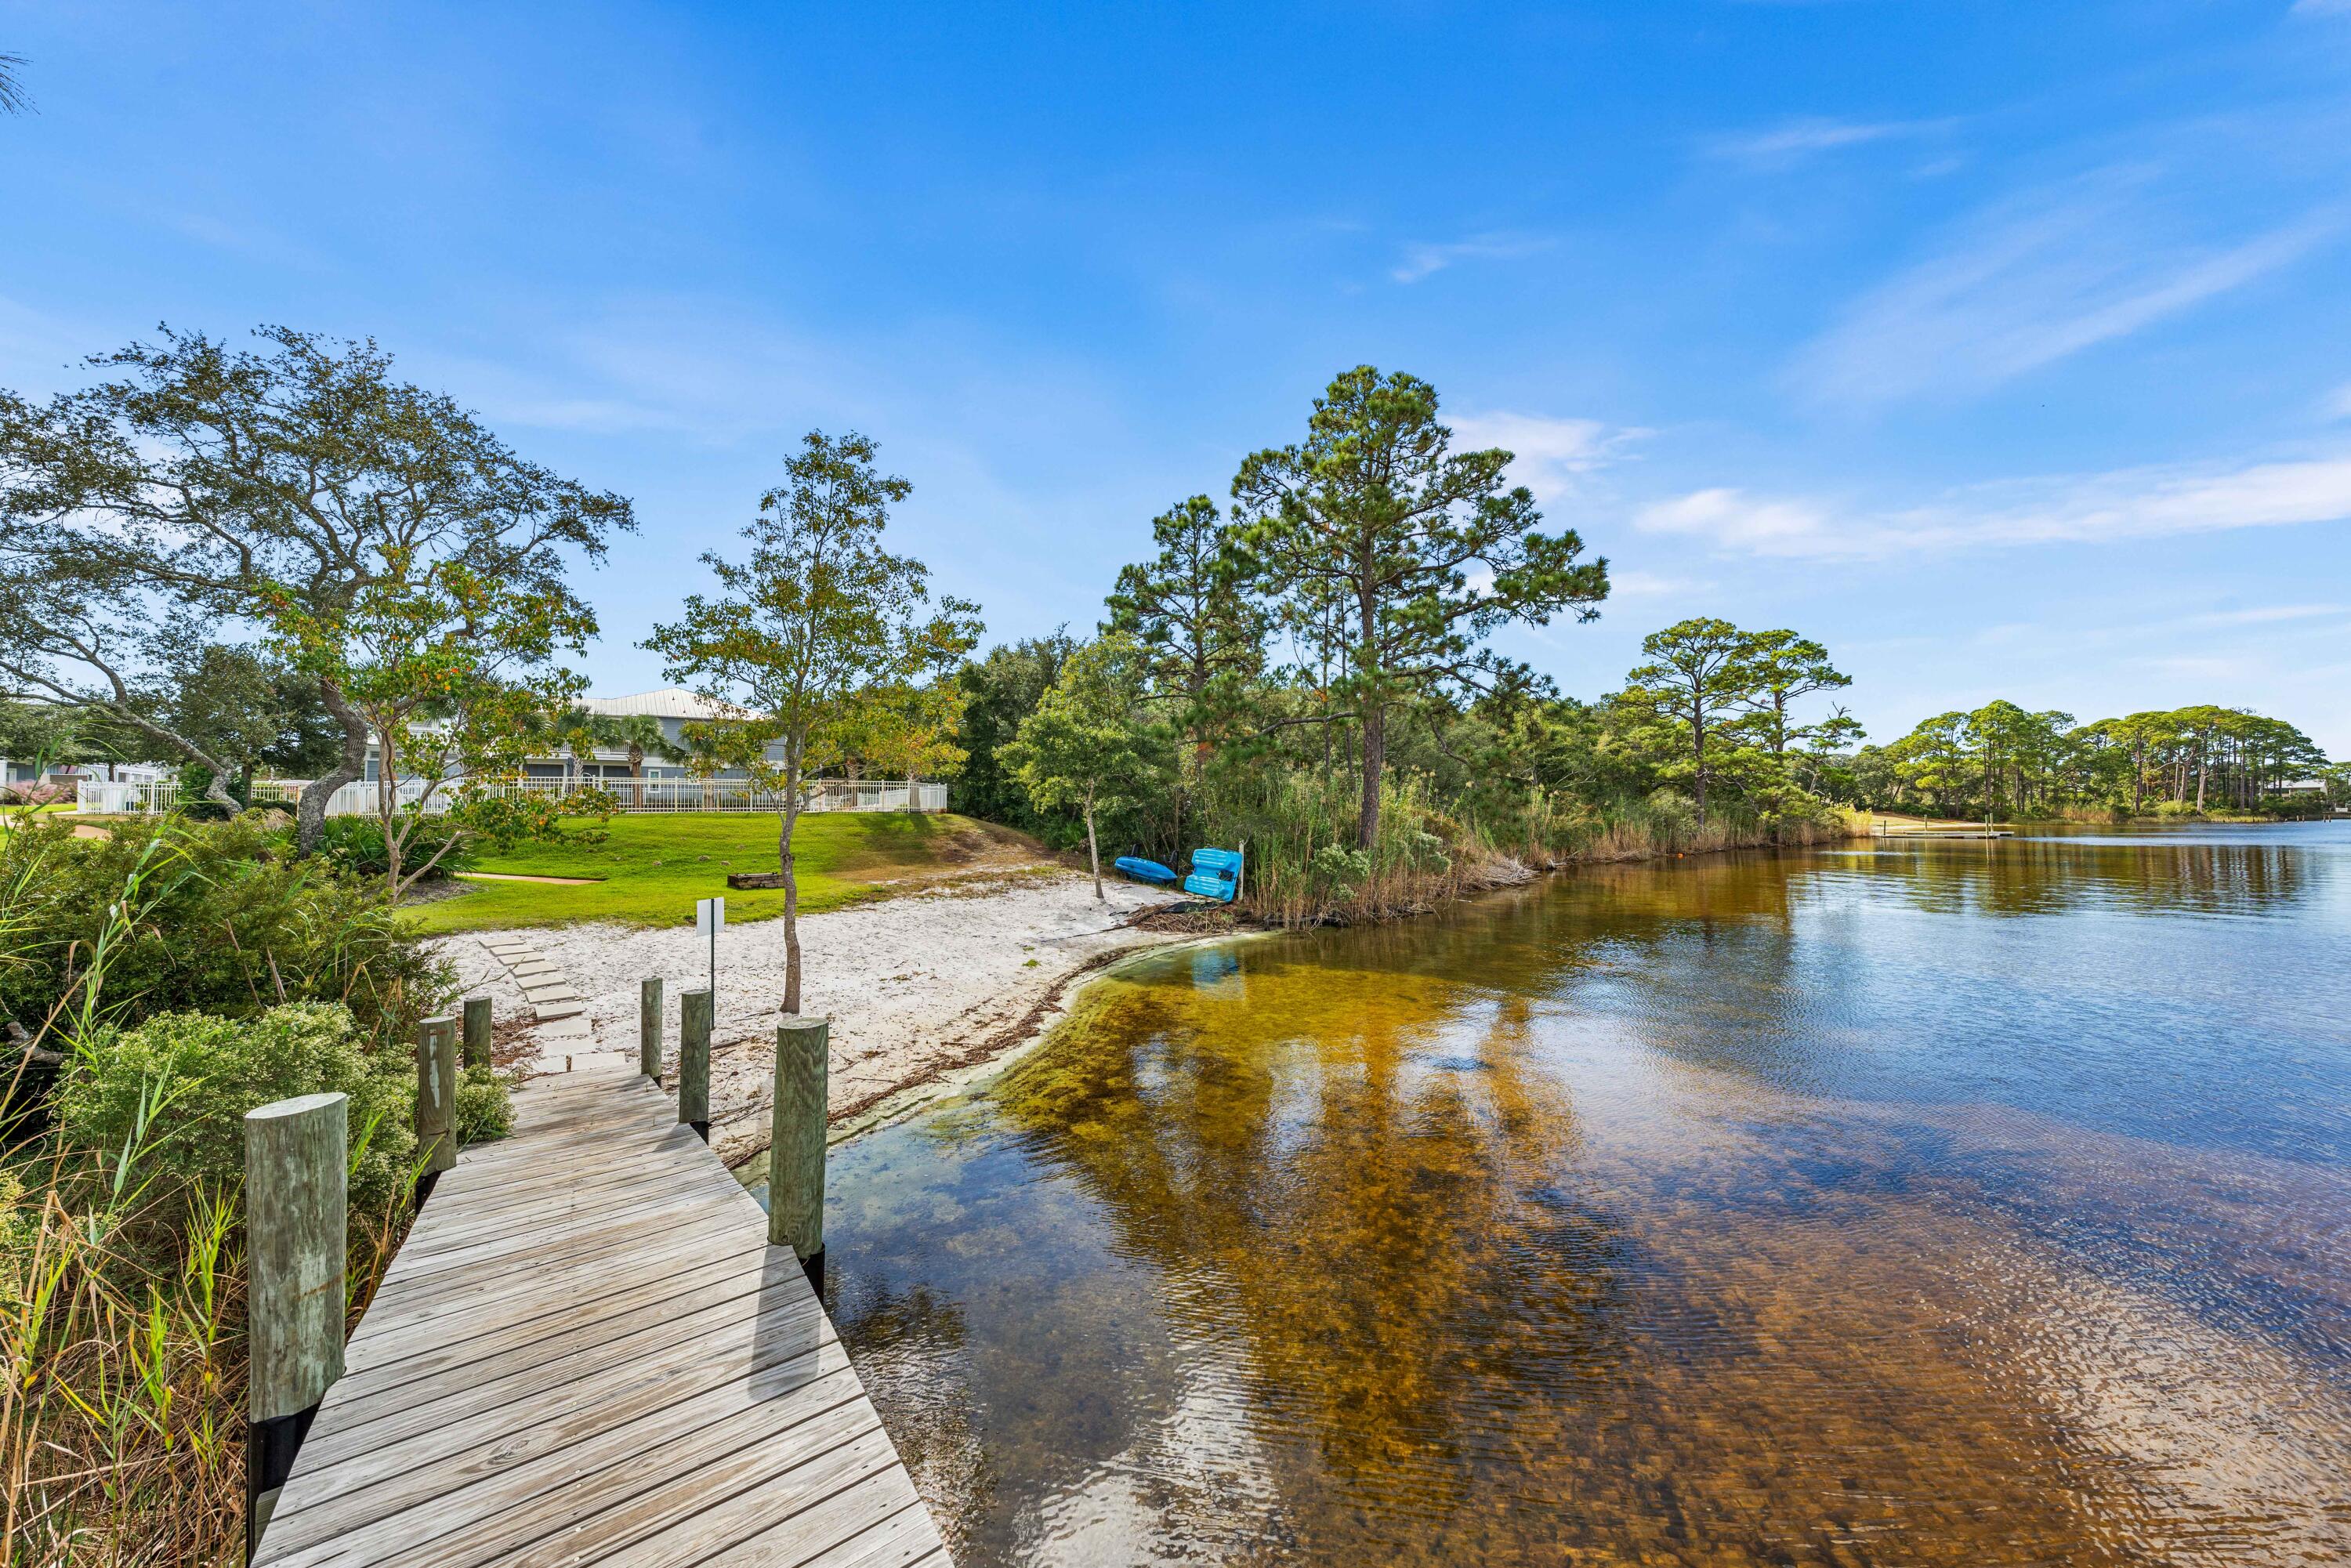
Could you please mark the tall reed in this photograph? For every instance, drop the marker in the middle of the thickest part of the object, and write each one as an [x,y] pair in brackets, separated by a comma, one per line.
[122,1295]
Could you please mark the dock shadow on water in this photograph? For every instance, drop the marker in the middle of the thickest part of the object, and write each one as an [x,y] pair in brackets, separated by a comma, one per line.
[1929,1203]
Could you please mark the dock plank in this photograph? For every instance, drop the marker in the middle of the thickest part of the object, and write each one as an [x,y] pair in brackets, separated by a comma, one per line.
[586,1353]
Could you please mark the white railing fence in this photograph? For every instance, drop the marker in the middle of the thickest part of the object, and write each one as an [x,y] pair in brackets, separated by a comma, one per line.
[626,795]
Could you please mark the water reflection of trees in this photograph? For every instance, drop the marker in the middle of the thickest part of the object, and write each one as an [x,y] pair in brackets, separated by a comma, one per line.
[2056,877]
[1365,1172]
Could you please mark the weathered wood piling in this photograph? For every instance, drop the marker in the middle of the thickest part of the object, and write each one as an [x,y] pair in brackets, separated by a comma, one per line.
[436,1101]
[649,1029]
[694,1020]
[796,1143]
[297,1219]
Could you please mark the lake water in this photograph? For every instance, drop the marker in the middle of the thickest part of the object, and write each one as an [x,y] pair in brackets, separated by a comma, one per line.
[1943,1202]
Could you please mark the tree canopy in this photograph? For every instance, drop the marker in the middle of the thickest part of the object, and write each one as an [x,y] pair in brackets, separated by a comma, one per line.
[1418,551]
[290,485]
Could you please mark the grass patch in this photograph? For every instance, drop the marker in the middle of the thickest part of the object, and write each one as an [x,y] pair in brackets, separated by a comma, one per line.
[655,865]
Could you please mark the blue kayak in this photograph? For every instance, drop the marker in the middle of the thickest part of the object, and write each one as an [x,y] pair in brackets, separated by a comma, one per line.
[1143,870]
[1215,873]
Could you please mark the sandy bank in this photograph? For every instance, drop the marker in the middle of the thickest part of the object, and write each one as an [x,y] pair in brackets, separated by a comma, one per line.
[915,986]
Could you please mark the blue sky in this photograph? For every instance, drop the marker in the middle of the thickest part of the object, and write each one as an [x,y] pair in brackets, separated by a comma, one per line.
[2006,348]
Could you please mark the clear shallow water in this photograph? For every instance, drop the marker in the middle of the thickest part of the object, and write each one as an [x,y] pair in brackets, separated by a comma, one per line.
[1947,1202]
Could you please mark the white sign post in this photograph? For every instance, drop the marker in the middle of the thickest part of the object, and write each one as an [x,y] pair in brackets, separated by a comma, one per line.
[709,915]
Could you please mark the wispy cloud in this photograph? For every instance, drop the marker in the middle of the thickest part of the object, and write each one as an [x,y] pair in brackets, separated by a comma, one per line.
[2129,504]
[1654,585]
[2266,615]
[2339,401]
[1550,455]
[1792,141]
[2031,282]
[1421,261]
[2322,7]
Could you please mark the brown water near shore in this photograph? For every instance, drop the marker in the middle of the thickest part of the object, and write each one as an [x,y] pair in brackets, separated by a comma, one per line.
[1982,1203]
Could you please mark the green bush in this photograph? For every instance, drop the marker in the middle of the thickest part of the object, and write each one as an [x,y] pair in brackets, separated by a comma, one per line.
[189,1078]
[356,845]
[484,1111]
[213,917]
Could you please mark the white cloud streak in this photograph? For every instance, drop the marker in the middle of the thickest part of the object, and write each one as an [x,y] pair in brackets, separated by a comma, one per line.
[1792,142]
[2033,282]
[1550,455]
[1420,261]
[2129,503]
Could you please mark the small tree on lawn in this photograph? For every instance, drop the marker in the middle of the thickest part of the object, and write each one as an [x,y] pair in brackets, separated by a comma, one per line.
[907,731]
[453,672]
[805,632]
[1088,745]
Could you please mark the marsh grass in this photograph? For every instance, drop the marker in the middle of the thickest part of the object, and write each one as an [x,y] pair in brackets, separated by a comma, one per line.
[1305,868]
[123,1418]
[122,1275]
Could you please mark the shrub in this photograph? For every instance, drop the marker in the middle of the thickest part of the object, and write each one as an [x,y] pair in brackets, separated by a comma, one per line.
[200,917]
[485,1110]
[188,1079]
[356,845]
[36,793]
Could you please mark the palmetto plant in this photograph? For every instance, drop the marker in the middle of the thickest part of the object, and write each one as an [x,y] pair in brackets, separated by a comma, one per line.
[11,91]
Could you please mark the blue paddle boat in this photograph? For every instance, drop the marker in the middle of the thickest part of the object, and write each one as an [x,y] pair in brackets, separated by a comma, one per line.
[1142,869]
[1215,873]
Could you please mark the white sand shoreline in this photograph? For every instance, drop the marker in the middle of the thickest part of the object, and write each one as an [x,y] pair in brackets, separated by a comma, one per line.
[916,987]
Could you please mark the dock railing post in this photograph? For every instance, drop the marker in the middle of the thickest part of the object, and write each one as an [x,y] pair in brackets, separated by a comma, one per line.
[649,1029]
[297,1219]
[694,1017]
[436,1101]
[477,1031]
[796,1142]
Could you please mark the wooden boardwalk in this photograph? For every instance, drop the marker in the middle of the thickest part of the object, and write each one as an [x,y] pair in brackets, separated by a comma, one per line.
[587,1352]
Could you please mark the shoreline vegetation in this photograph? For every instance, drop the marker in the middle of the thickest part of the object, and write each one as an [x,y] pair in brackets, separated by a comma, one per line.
[162,981]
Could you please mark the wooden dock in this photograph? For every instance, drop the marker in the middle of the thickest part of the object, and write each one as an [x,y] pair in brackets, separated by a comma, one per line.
[587,1352]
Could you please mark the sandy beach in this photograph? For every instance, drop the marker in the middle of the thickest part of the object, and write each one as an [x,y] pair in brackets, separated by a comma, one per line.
[915,986]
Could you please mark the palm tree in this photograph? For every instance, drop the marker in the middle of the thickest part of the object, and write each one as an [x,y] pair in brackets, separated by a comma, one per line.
[641,736]
[13,100]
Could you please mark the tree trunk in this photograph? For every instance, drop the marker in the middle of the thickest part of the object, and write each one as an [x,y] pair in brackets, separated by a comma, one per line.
[1093,854]
[387,809]
[310,811]
[1697,752]
[791,880]
[1375,759]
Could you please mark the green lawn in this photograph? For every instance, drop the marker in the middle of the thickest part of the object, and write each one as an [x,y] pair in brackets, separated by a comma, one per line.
[655,865]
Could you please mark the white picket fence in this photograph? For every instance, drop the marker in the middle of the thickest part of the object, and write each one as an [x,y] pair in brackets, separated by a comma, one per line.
[626,795]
